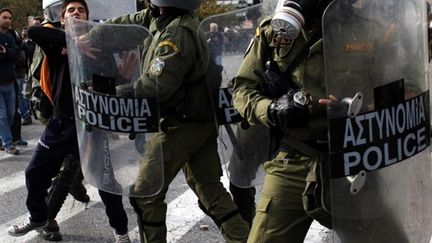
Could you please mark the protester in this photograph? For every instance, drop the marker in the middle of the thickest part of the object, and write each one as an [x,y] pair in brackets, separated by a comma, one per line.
[58,143]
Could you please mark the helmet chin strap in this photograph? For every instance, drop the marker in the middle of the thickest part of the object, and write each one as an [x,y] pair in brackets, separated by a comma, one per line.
[154,10]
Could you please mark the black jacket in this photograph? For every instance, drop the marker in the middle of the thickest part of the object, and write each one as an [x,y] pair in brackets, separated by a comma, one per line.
[8,59]
[52,41]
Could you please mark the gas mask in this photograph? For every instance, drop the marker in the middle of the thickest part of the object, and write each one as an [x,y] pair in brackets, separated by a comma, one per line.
[290,15]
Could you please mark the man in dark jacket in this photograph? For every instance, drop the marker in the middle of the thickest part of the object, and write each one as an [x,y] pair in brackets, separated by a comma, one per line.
[8,56]
[59,139]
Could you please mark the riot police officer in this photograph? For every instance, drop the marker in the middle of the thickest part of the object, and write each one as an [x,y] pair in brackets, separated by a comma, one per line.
[278,85]
[177,62]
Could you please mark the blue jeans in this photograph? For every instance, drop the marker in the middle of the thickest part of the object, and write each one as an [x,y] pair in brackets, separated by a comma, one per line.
[23,107]
[218,59]
[7,113]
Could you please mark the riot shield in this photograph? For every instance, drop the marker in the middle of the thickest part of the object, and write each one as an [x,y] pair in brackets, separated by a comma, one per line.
[242,148]
[114,126]
[376,67]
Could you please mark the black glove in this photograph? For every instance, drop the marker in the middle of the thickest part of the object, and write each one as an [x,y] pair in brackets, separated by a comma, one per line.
[273,85]
[290,110]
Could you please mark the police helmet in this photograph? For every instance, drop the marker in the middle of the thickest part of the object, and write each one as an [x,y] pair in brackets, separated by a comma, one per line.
[52,10]
[182,4]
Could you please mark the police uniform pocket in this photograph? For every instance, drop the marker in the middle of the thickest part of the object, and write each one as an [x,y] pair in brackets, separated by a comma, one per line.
[261,220]
[314,196]
[263,204]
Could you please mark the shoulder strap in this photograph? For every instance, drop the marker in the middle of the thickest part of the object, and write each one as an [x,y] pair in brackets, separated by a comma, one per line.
[304,52]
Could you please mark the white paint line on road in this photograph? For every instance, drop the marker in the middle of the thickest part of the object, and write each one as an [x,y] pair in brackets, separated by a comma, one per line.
[12,182]
[30,147]
[183,214]
[67,211]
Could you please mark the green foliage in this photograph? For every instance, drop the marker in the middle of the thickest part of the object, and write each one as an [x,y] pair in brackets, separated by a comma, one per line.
[210,7]
[21,9]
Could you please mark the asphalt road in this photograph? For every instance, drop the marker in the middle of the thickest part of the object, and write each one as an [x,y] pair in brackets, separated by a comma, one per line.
[88,223]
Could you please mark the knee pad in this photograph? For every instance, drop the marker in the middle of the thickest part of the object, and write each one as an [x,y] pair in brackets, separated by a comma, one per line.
[218,221]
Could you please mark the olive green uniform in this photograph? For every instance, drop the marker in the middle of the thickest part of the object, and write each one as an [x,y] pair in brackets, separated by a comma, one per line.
[176,61]
[280,215]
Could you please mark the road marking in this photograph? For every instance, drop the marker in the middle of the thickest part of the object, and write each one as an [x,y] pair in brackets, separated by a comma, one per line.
[12,182]
[30,147]
[183,212]
[69,210]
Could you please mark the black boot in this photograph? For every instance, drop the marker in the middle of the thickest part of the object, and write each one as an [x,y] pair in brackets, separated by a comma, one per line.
[244,198]
[138,211]
[51,232]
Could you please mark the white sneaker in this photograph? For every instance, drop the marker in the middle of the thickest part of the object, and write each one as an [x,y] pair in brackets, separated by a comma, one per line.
[122,238]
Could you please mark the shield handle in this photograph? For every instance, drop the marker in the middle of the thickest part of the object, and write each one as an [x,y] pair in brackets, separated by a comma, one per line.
[357,182]
[354,104]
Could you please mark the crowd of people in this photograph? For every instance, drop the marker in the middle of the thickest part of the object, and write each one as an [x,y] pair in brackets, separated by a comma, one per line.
[229,41]
[174,70]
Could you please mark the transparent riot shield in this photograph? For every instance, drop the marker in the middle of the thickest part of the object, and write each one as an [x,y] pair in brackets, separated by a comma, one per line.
[242,148]
[104,9]
[115,128]
[379,122]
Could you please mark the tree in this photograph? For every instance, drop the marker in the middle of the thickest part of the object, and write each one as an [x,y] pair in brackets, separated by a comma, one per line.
[210,7]
[21,9]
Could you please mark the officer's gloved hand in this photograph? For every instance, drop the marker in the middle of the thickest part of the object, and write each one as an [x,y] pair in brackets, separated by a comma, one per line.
[290,110]
[274,85]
